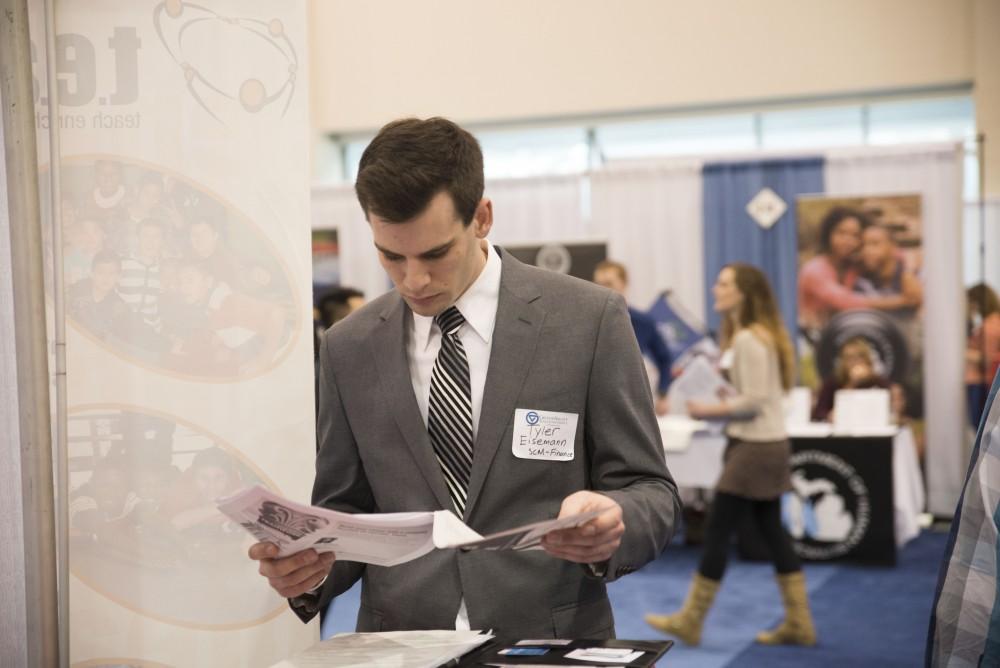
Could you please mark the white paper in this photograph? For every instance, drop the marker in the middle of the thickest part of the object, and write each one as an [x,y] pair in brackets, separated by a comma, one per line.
[550,642]
[385,539]
[545,435]
[676,431]
[860,412]
[394,649]
[604,655]
[798,405]
[700,381]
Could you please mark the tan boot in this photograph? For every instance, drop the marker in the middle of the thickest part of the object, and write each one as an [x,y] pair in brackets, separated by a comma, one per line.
[797,627]
[686,623]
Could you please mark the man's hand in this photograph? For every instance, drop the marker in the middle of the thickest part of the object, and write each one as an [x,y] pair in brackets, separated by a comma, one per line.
[662,405]
[593,542]
[293,575]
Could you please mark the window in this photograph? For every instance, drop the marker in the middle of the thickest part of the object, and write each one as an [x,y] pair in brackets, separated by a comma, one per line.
[676,136]
[812,127]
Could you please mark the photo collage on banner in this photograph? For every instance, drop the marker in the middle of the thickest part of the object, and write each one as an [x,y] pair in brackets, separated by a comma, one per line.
[183,198]
[860,299]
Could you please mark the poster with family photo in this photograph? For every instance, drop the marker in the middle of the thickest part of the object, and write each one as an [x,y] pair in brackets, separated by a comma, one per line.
[860,298]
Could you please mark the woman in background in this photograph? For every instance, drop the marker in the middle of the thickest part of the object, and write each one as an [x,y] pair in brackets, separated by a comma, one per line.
[760,363]
[982,350]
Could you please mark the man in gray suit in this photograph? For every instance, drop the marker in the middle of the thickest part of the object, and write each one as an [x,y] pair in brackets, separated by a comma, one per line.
[438,395]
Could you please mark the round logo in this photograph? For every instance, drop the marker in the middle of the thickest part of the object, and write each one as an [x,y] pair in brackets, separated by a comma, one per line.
[531,418]
[829,511]
[554,257]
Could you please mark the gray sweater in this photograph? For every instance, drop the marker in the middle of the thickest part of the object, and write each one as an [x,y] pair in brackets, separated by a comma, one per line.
[756,375]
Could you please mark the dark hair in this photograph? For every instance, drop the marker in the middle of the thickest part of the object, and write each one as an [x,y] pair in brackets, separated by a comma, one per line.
[760,309]
[106,257]
[835,217]
[412,160]
[333,304]
[982,297]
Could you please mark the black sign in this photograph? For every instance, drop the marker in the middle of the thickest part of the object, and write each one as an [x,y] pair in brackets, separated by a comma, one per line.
[841,506]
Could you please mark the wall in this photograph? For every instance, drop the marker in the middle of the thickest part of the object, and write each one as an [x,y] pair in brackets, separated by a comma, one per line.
[510,60]
[987,86]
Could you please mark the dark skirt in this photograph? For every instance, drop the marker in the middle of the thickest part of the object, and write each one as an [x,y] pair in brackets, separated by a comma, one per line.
[756,469]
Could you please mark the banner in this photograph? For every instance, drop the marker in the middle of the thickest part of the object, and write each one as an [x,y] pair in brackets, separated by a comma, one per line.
[861,296]
[184,203]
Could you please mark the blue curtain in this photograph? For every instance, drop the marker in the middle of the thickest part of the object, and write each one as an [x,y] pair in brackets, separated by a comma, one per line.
[731,235]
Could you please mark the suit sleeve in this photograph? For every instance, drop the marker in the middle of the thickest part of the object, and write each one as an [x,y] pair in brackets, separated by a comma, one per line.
[340,482]
[624,445]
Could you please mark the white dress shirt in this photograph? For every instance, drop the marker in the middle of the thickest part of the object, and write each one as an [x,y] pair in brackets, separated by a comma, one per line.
[478,306]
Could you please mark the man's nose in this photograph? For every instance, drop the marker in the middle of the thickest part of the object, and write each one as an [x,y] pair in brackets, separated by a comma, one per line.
[416,279]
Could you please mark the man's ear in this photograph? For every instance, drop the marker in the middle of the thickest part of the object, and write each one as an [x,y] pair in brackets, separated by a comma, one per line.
[483,218]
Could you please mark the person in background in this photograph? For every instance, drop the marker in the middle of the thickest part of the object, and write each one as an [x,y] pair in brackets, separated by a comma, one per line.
[336,304]
[982,350]
[613,275]
[139,284]
[760,363]
[855,370]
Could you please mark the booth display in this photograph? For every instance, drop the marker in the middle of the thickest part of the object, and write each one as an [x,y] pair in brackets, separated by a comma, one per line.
[857,496]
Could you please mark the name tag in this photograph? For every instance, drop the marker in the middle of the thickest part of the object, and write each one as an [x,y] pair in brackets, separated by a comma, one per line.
[544,435]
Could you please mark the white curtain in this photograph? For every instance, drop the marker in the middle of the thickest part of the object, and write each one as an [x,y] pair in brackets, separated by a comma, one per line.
[935,173]
[537,210]
[986,232]
[336,208]
[650,213]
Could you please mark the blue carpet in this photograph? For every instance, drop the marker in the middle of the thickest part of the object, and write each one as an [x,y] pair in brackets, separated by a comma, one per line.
[865,616]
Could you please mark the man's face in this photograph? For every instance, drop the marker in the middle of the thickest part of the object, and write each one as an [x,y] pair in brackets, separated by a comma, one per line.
[104,276]
[203,239]
[876,248]
[108,176]
[192,284]
[433,258]
[150,241]
[610,278]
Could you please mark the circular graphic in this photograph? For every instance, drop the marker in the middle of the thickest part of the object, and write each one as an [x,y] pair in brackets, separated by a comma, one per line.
[829,510]
[263,57]
[531,418]
[169,276]
[554,257]
[144,529]
[875,327]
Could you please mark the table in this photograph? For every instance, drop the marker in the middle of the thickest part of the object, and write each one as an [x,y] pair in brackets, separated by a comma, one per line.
[844,484]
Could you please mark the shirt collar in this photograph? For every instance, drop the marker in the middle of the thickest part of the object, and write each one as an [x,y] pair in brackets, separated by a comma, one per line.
[478,304]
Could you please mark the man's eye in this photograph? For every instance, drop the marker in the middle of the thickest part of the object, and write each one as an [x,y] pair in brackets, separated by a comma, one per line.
[392,258]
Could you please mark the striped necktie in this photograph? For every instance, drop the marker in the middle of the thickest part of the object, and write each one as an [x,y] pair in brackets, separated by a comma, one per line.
[449,412]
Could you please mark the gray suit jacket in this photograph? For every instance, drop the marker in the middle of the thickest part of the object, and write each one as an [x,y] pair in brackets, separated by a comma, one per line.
[560,344]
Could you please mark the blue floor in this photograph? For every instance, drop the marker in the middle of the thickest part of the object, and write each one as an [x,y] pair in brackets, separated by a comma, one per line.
[865,616]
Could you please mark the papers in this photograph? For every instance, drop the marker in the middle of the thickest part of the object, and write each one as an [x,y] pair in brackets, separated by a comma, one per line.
[862,413]
[700,382]
[385,539]
[676,431]
[396,649]
[604,655]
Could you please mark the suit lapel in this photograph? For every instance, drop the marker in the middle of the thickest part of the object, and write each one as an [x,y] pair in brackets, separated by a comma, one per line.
[388,344]
[515,336]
